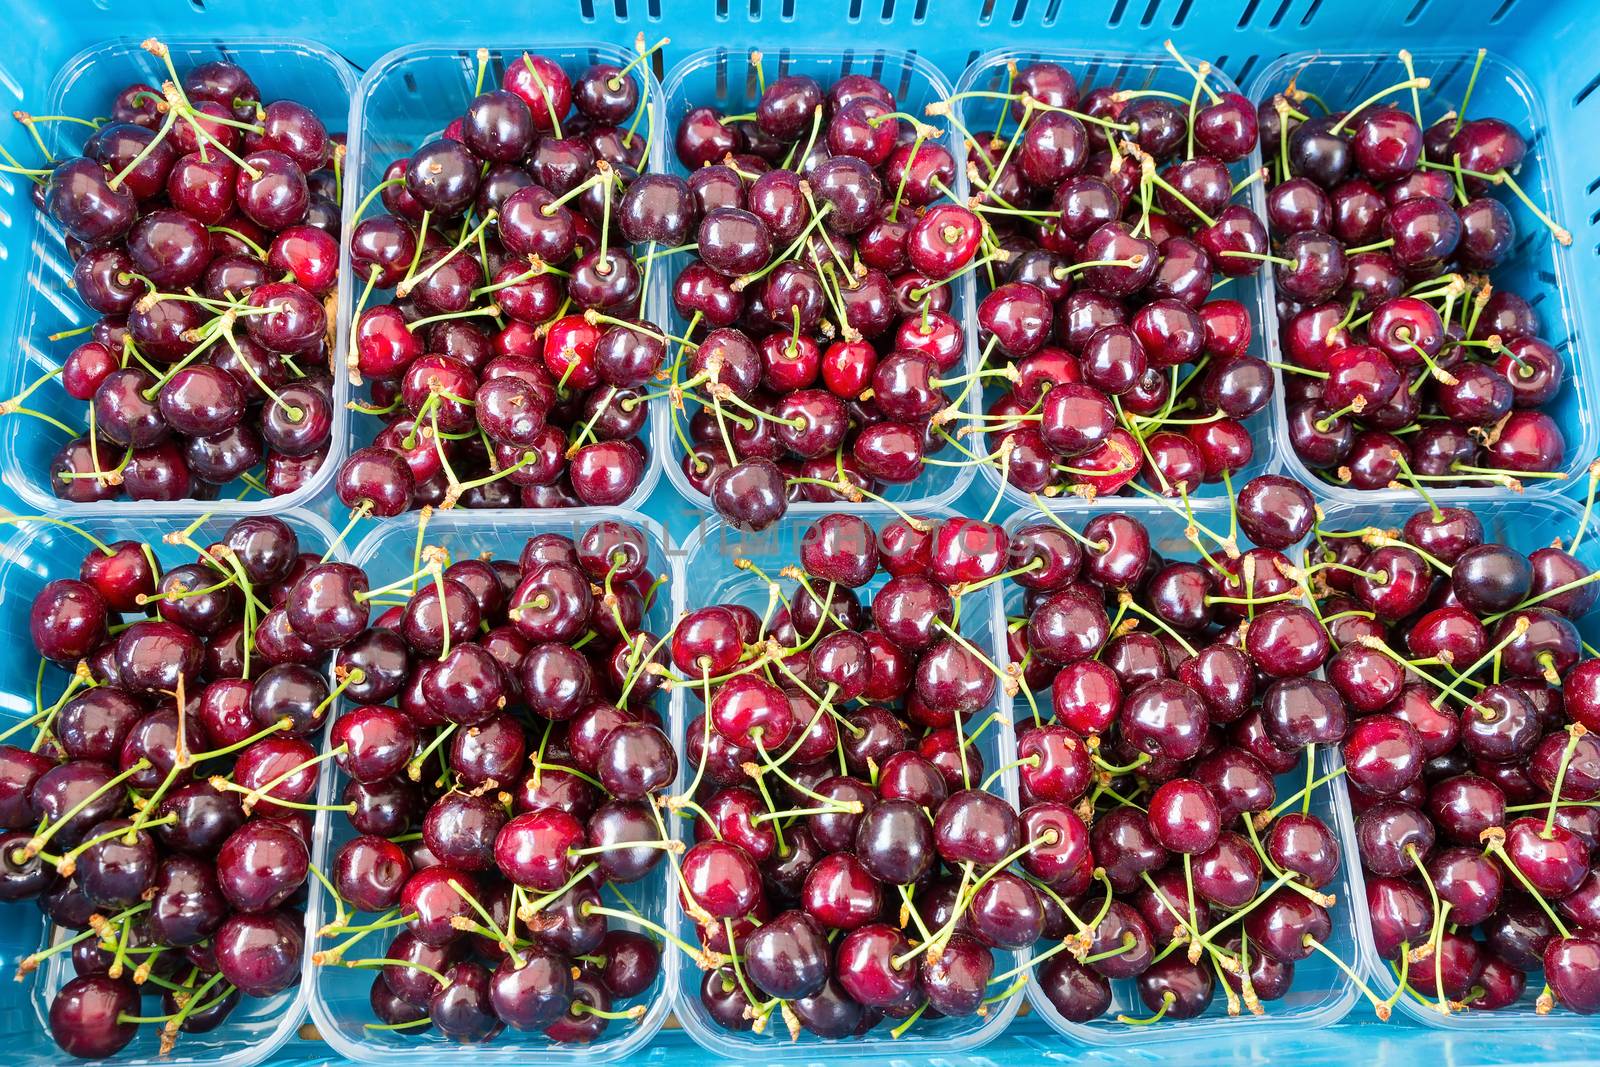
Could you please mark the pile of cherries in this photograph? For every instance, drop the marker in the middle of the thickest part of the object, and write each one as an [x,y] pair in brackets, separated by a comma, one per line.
[204,226]
[1472,763]
[510,362]
[160,816]
[1105,218]
[1176,698]
[504,756]
[822,335]
[853,856]
[1408,364]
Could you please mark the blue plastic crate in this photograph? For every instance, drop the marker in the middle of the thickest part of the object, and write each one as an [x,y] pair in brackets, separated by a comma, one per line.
[1556,43]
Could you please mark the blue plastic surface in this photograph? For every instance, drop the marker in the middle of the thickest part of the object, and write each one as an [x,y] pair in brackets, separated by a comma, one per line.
[1556,43]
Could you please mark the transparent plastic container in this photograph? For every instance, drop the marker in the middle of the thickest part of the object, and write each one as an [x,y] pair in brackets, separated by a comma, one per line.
[1523,525]
[1134,71]
[725,77]
[711,577]
[338,995]
[1540,269]
[1320,994]
[31,555]
[283,68]
[404,100]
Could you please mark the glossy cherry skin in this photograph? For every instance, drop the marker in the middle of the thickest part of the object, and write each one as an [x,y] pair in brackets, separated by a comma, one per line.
[86,1017]
[866,969]
[260,954]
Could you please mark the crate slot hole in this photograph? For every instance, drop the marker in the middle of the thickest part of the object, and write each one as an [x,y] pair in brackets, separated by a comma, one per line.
[1248,13]
[1592,186]
[722,9]
[1017,12]
[854,13]
[986,12]
[920,12]
[1245,68]
[652,10]
[1416,12]
[888,11]
[586,10]
[1311,12]
[1182,14]
[1277,16]
[1502,11]
[198,5]
[1583,94]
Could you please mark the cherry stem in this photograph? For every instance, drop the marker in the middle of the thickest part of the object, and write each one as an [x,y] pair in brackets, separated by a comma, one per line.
[1143,612]
[1263,257]
[386,961]
[1575,732]
[1302,795]
[1495,844]
[64,524]
[1472,81]
[1518,628]
[544,91]
[1167,1000]
[1409,83]
[36,844]
[1379,1007]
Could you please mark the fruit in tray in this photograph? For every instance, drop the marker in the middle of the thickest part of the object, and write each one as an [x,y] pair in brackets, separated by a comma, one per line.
[1172,712]
[168,850]
[504,755]
[203,224]
[512,361]
[1405,360]
[1472,761]
[853,858]
[1104,218]
[821,345]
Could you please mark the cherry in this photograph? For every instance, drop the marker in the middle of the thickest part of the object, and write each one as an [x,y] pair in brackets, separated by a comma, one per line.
[260,953]
[1383,754]
[86,1017]
[721,880]
[261,865]
[866,966]
[1183,817]
[530,992]
[464,1009]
